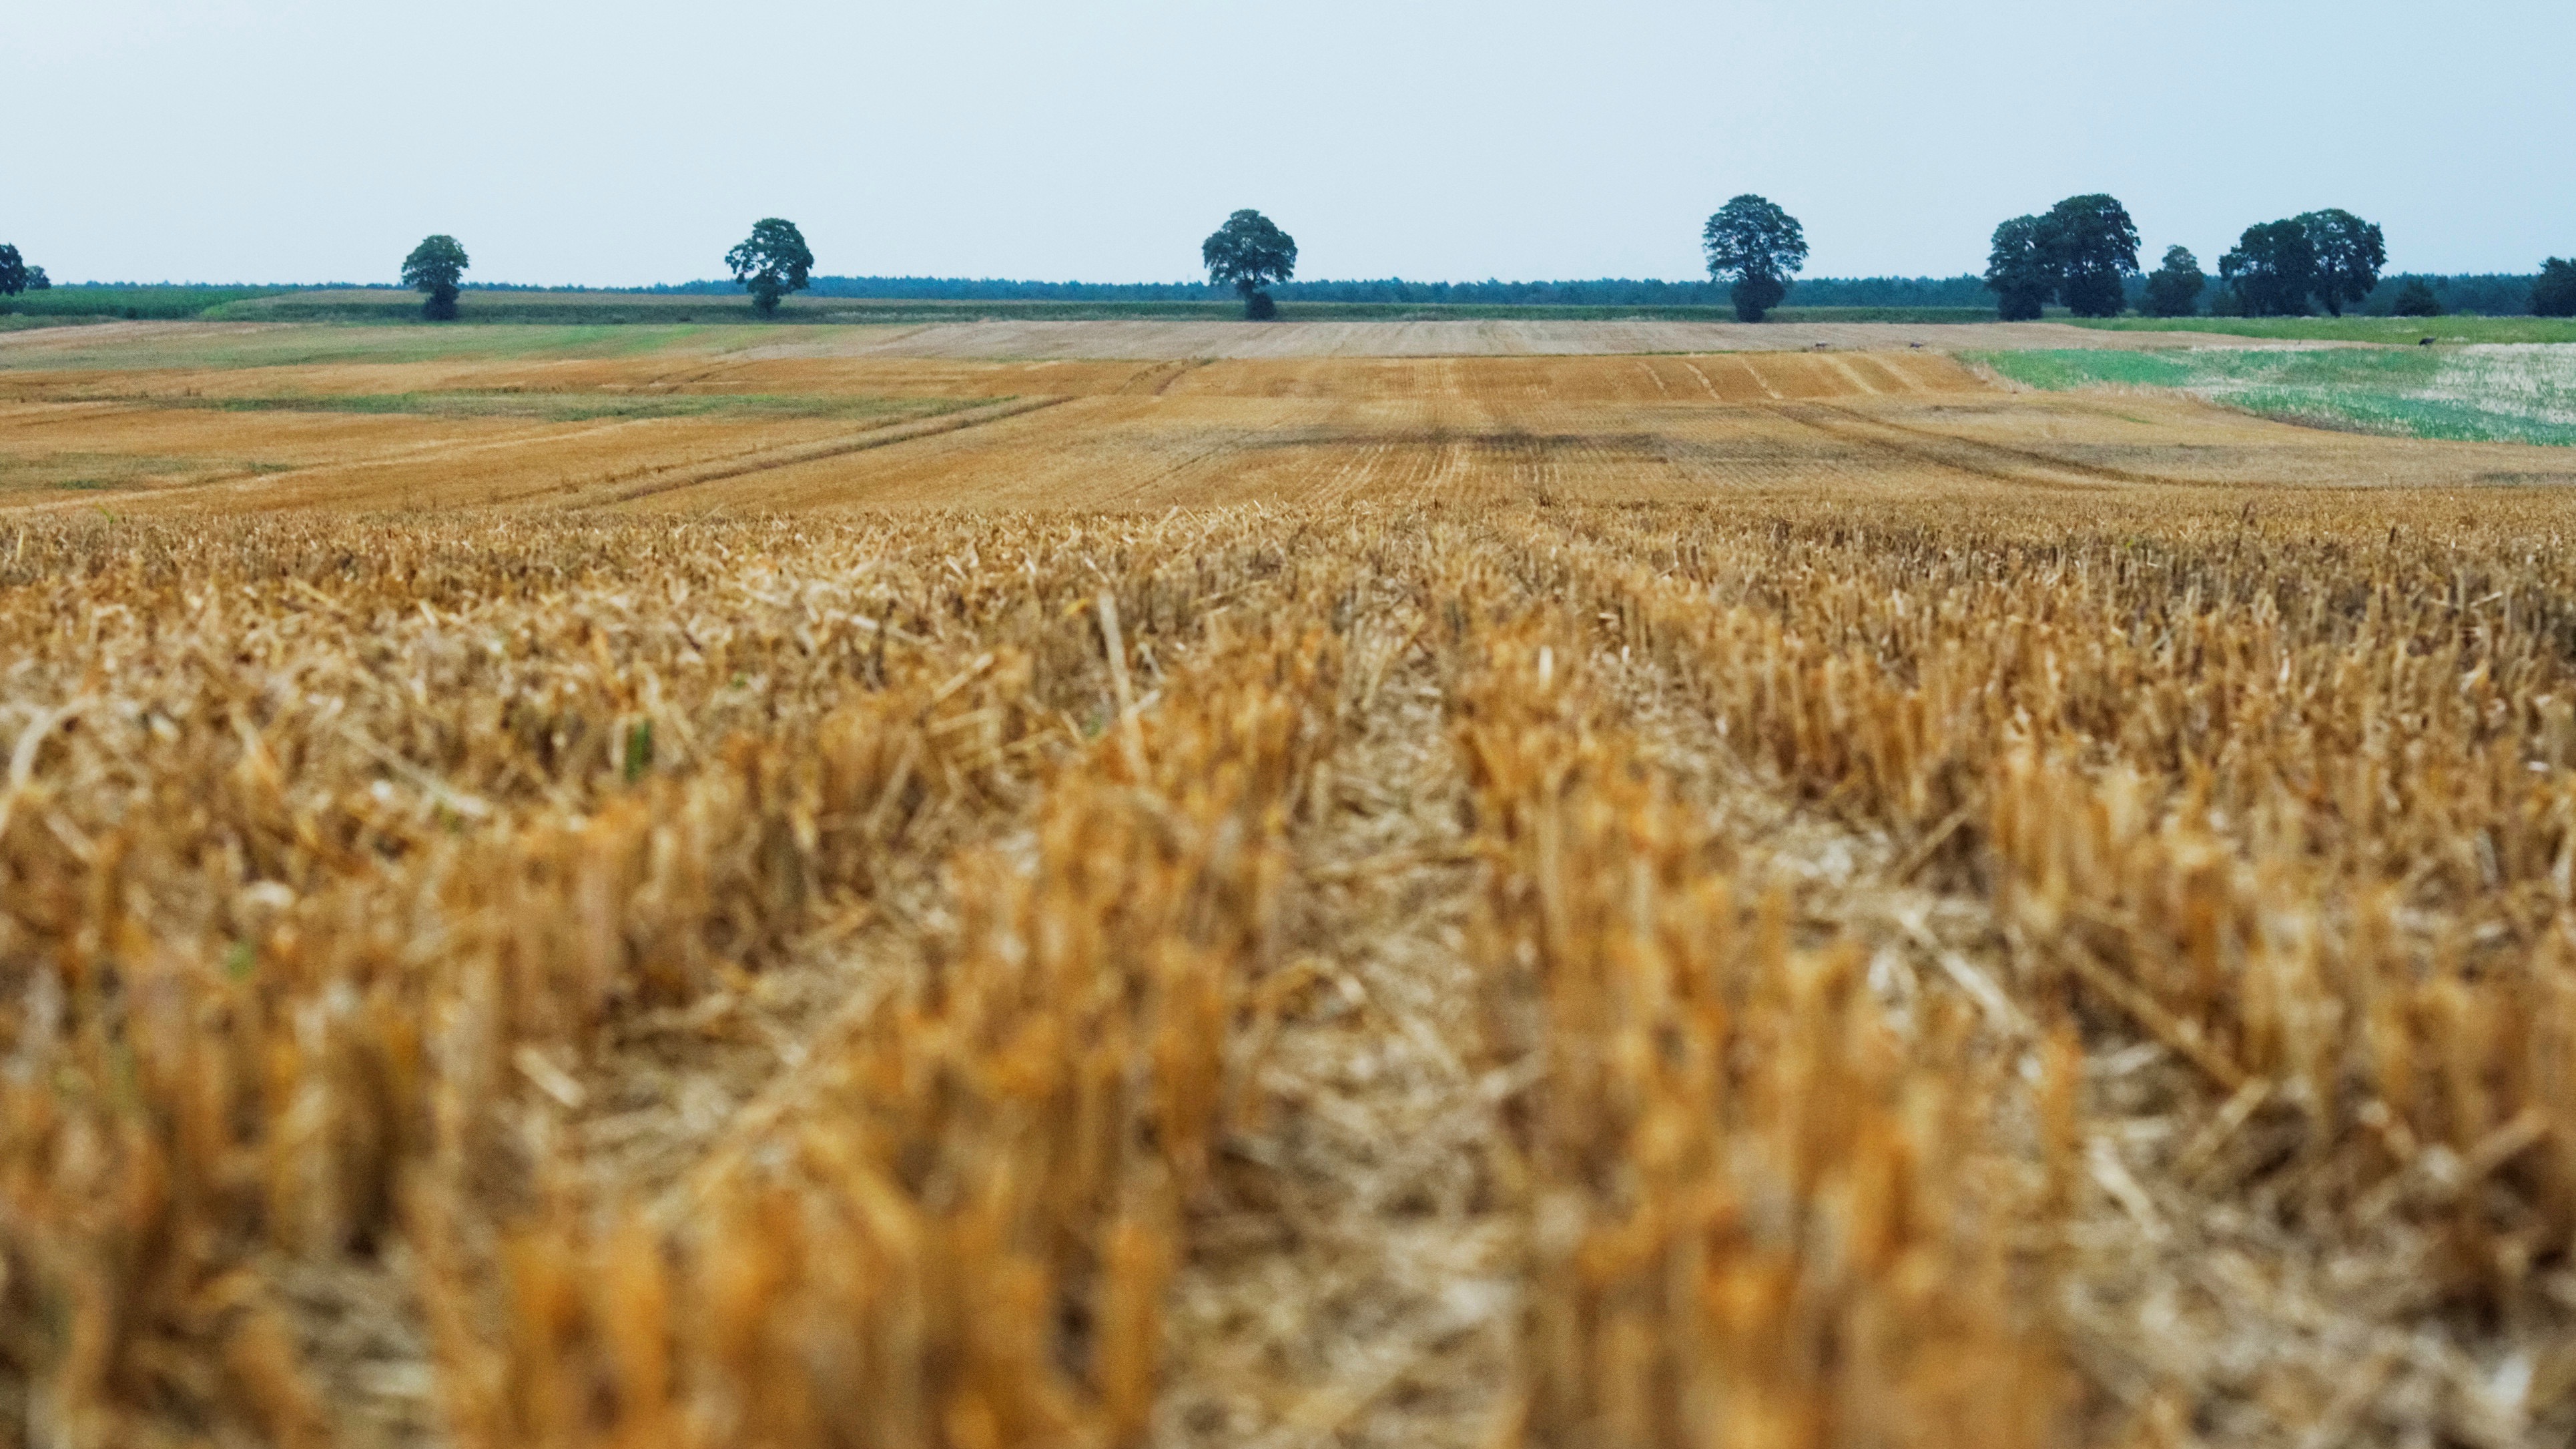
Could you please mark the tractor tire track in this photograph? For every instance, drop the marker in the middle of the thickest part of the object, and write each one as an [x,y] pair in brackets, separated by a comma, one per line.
[1960,455]
[767,460]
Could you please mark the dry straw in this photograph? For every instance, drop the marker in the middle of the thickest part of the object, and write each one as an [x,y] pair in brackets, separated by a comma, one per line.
[2088,969]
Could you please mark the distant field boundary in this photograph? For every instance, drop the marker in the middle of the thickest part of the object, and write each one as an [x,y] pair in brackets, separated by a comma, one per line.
[611,308]
[383,306]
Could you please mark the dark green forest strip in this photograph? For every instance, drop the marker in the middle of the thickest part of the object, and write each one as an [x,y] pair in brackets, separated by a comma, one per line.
[627,308]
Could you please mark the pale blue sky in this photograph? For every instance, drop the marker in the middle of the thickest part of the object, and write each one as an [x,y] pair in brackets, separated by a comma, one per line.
[575,141]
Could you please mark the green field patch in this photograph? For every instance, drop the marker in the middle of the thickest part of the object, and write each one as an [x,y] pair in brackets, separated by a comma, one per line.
[2058,371]
[2396,331]
[127,304]
[2514,393]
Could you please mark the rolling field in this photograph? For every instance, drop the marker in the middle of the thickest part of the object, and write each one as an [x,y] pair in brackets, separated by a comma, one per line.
[172,417]
[1193,886]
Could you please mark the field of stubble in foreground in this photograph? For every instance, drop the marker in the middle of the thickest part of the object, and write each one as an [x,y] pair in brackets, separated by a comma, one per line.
[1598,915]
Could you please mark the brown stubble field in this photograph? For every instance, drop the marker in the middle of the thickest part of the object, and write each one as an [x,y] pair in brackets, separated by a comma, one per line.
[596,895]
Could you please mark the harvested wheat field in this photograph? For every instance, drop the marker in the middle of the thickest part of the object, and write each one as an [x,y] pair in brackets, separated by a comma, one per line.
[579,894]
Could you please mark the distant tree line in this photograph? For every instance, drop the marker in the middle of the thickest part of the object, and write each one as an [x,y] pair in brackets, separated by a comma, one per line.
[2491,294]
[2083,253]
[1961,291]
[767,265]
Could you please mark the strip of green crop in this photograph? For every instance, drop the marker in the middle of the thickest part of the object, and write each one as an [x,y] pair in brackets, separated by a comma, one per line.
[2402,331]
[2513,394]
[147,303]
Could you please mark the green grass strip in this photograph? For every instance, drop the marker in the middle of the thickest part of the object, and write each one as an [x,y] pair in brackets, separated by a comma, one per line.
[2510,394]
[2400,331]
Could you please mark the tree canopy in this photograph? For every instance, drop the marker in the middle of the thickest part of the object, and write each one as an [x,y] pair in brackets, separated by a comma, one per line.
[2349,253]
[434,267]
[2272,269]
[2416,299]
[2091,248]
[2554,295]
[2174,287]
[13,271]
[1250,253]
[772,262]
[1761,247]
[2018,270]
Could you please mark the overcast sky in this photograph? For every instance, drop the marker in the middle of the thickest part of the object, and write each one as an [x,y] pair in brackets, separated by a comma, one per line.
[615,144]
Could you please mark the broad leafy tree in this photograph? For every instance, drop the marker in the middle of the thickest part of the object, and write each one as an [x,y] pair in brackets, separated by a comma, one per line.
[1761,247]
[2091,248]
[2554,295]
[2349,253]
[1250,253]
[435,267]
[37,281]
[2416,299]
[771,262]
[2174,287]
[2272,270]
[2019,271]
[13,271]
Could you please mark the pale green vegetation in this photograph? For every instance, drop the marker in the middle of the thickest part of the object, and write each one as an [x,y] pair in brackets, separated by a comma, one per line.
[2401,330]
[2514,393]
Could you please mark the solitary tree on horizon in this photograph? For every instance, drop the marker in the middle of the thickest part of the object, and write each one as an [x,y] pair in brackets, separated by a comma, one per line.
[1250,253]
[434,267]
[2416,299]
[13,271]
[2091,248]
[771,262]
[1752,240]
[2174,288]
[2018,270]
[2272,269]
[2554,295]
[2349,253]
